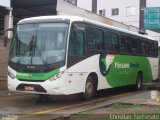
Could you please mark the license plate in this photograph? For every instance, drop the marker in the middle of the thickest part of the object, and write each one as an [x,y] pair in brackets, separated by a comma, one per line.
[29,88]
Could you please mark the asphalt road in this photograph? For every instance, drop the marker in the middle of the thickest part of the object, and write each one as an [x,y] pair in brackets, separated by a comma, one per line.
[28,107]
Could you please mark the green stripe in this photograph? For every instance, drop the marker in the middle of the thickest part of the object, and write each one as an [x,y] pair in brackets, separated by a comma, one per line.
[36,76]
[124,68]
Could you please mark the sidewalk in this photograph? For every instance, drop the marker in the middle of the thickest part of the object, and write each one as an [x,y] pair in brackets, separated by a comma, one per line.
[135,107]
[4,93]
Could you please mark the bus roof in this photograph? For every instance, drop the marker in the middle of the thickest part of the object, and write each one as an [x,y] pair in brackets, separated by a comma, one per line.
[76,18]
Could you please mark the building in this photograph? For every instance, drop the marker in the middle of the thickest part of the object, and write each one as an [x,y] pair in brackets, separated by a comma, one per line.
[5,17]
[4,6]
[130,12]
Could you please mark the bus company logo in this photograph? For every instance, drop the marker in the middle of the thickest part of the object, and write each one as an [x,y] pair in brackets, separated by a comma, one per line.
[22,74]
[126,65]
[122,65]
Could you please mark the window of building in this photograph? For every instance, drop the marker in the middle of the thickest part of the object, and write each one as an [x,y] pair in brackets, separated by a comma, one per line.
[131,11]
[115,11]
[102,12]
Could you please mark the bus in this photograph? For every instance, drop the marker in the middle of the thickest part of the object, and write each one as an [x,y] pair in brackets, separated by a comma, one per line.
[64,55]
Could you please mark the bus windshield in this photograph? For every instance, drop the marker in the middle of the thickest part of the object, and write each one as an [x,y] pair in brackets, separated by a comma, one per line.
[39,44]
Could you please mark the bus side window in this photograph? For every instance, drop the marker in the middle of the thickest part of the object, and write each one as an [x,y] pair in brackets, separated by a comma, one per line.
[151,43]
[115,46]
[134,45]
[142,47]
[111,41]
[99,38]
[108,41]
[127,44]
[91,38]
[155,49]
[147,47]
[76,45]
[122,42]
[72,48]
[80,43]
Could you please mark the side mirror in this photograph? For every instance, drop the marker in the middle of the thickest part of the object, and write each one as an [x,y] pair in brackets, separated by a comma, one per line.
[6,37]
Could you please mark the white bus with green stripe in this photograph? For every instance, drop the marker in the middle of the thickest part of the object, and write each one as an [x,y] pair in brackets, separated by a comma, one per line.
[63,55]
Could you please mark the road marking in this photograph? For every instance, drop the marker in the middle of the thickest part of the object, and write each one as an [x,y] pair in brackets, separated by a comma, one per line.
[72,106]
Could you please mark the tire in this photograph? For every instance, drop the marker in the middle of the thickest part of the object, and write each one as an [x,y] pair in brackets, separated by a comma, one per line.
[90,89]
[139,80]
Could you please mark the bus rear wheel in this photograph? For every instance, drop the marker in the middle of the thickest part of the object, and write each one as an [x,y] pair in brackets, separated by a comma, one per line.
[139,80]
[90,89]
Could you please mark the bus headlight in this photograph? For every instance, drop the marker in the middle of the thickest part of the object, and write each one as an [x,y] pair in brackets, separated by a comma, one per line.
[11,75]
[55,77]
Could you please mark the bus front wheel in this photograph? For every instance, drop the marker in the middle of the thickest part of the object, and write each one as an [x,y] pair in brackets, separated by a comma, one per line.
[139,80]
[90,89]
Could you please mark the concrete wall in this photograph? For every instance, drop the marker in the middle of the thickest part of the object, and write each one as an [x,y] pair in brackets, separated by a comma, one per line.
[108,5]
[85,4]
[64,8]
[122,17]
[5,3]
[3,65]
[153,3]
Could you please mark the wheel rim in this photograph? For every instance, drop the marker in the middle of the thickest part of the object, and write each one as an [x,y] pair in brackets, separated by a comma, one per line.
[89,89]
[139,82]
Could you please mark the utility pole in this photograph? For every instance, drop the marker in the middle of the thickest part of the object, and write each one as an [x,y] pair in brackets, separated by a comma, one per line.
[141,16]
[94,6]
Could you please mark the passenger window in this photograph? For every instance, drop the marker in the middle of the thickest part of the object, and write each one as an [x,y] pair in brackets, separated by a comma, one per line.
[99,37]
[76,45]
[128,45]
[114,42]
[125,44]
[147,47]
[71,48]
[111,41]
[80,44]
[108,41]
[134,45]
[151,48]
[142,47]
[122,43]
[91,39]
[94,38]
[155,48]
